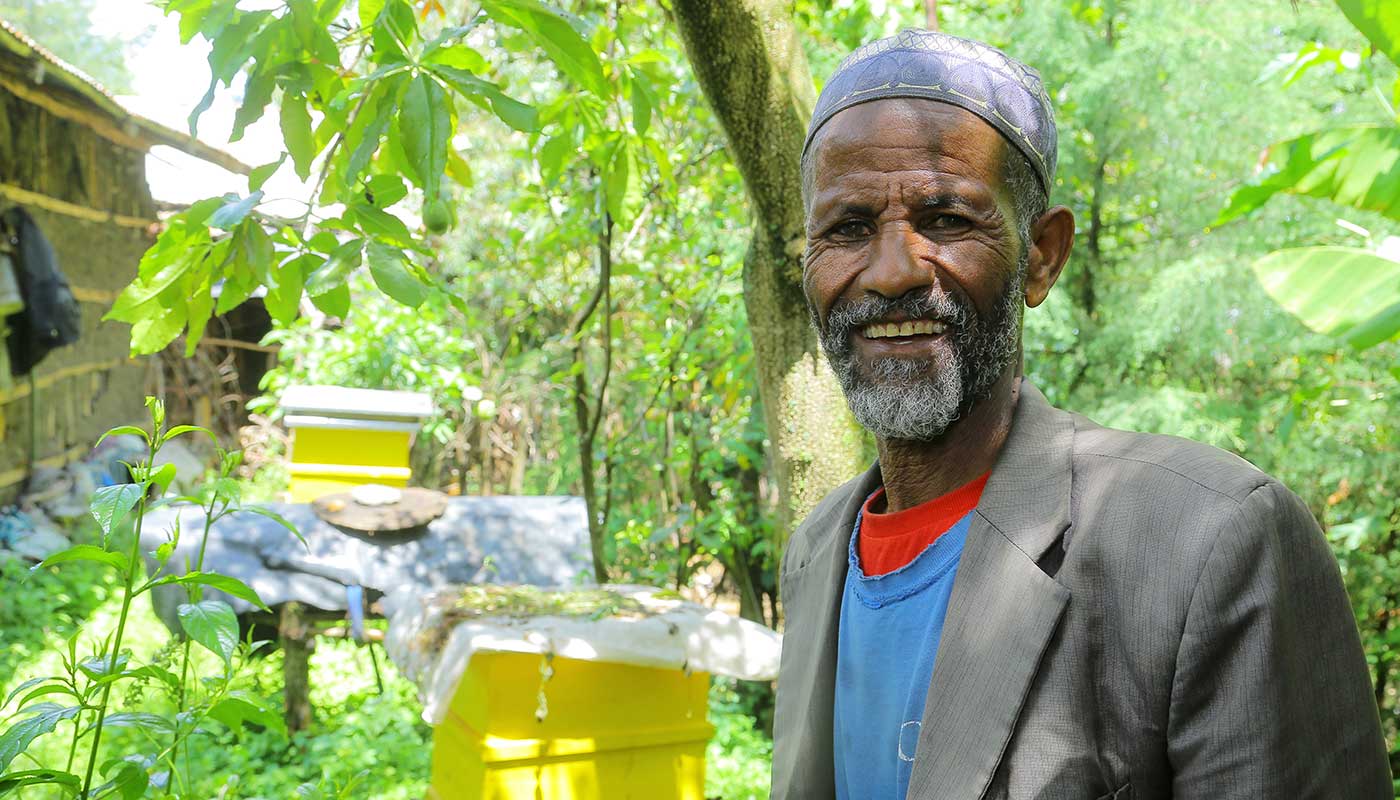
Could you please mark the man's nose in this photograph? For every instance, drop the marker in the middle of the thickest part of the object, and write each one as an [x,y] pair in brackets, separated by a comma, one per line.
[894,268]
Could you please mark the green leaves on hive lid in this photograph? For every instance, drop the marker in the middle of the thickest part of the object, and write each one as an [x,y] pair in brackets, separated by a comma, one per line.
[1345,292]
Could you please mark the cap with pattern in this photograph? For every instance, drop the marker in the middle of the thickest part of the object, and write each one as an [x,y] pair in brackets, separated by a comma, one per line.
[936,66]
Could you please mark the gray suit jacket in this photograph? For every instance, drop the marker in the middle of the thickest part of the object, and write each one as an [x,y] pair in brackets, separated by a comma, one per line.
[1134,617]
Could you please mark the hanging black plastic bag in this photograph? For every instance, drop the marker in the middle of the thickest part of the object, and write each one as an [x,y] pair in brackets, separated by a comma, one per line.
[51,317]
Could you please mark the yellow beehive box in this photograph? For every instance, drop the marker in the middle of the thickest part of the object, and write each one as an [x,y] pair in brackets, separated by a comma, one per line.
[349,437]
[609,732]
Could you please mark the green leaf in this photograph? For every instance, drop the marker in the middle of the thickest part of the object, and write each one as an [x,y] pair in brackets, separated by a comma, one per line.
[26,685]
[45,691]
[392,275]
[264,511]
[624,184]
[334,303]
[257,93]
[1357,165]
[296,132]
[382,191]
[338,265]
[554,156]
[232,212]
[161,674]
[204,104]
[380,224]
[425,126]
[458,169]
[1378,21]
[86,552]
[199,307]
[1339,291]
[259,175]
[400,20]
[224,583]
[99,666]
[38,777]
[213,624]
[642,104]
[181,430]
[162,477]
[369,125]
[518,115]
[131,779]
[662,160]
[125,430]
[159,269]
[111,504]
[241,708]
[152,334]
[283,298]
[17,739]
[552,30]
[150,723]
[369,12]
[460,56]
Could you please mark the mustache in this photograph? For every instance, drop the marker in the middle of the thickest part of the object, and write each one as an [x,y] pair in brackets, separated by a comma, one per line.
[848,315]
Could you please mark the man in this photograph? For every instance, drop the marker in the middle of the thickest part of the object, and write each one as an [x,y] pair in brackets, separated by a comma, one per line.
[1122,615]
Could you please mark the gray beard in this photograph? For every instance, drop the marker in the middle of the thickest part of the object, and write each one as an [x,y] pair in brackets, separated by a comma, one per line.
[917,400]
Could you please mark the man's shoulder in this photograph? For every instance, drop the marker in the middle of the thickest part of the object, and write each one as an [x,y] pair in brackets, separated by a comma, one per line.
[1168,468]
[822,523]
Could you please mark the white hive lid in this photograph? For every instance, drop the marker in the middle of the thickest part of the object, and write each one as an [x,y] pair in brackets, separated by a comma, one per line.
[338,401]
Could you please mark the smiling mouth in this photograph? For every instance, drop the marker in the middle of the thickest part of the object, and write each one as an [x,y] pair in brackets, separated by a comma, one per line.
[900,330]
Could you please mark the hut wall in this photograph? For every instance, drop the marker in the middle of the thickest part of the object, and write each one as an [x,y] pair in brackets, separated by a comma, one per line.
[89,386]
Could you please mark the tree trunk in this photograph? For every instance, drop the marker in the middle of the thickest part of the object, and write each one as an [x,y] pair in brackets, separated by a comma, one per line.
[589,419]
[750,65]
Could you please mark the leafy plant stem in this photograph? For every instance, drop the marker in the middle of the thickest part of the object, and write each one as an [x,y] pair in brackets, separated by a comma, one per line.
[128,594]
[73,747]
[194,591]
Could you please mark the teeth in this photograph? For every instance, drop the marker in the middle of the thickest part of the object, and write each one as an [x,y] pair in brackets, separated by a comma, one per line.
[920,327]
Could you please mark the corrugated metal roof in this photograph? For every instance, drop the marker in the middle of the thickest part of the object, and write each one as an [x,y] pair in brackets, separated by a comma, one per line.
[49,67]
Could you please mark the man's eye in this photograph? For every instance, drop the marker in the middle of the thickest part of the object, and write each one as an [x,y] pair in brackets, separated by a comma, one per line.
[850,229]
[943,222]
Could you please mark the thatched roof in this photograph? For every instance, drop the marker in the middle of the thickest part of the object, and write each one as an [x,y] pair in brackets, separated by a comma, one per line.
[42,70]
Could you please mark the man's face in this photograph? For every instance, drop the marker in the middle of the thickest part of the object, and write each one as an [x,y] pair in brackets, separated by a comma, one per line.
[914,271]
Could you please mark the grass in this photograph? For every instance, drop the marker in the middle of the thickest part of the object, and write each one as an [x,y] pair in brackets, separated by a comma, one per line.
[377,743]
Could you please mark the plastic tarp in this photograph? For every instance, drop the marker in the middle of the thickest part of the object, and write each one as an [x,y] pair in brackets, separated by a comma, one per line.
[434,649]
[530,540]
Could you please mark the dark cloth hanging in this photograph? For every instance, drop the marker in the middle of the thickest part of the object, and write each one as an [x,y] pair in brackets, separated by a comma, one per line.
[51,317]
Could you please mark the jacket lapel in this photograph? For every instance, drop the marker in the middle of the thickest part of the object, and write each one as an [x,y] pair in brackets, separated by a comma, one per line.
[1003,609]
[802,757]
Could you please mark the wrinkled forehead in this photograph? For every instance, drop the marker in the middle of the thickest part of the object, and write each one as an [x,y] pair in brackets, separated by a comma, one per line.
[924,138]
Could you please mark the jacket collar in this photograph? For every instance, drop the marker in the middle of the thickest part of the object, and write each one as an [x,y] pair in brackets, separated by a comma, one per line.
[1027,497]
[1002,612]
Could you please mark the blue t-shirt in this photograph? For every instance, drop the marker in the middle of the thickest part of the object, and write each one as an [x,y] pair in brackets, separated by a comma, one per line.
[889,631]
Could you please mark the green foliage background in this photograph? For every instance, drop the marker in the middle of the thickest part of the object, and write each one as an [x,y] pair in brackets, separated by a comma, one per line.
[1159,323]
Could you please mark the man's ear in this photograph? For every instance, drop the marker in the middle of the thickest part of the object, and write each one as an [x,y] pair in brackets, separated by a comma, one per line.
[1052,236]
